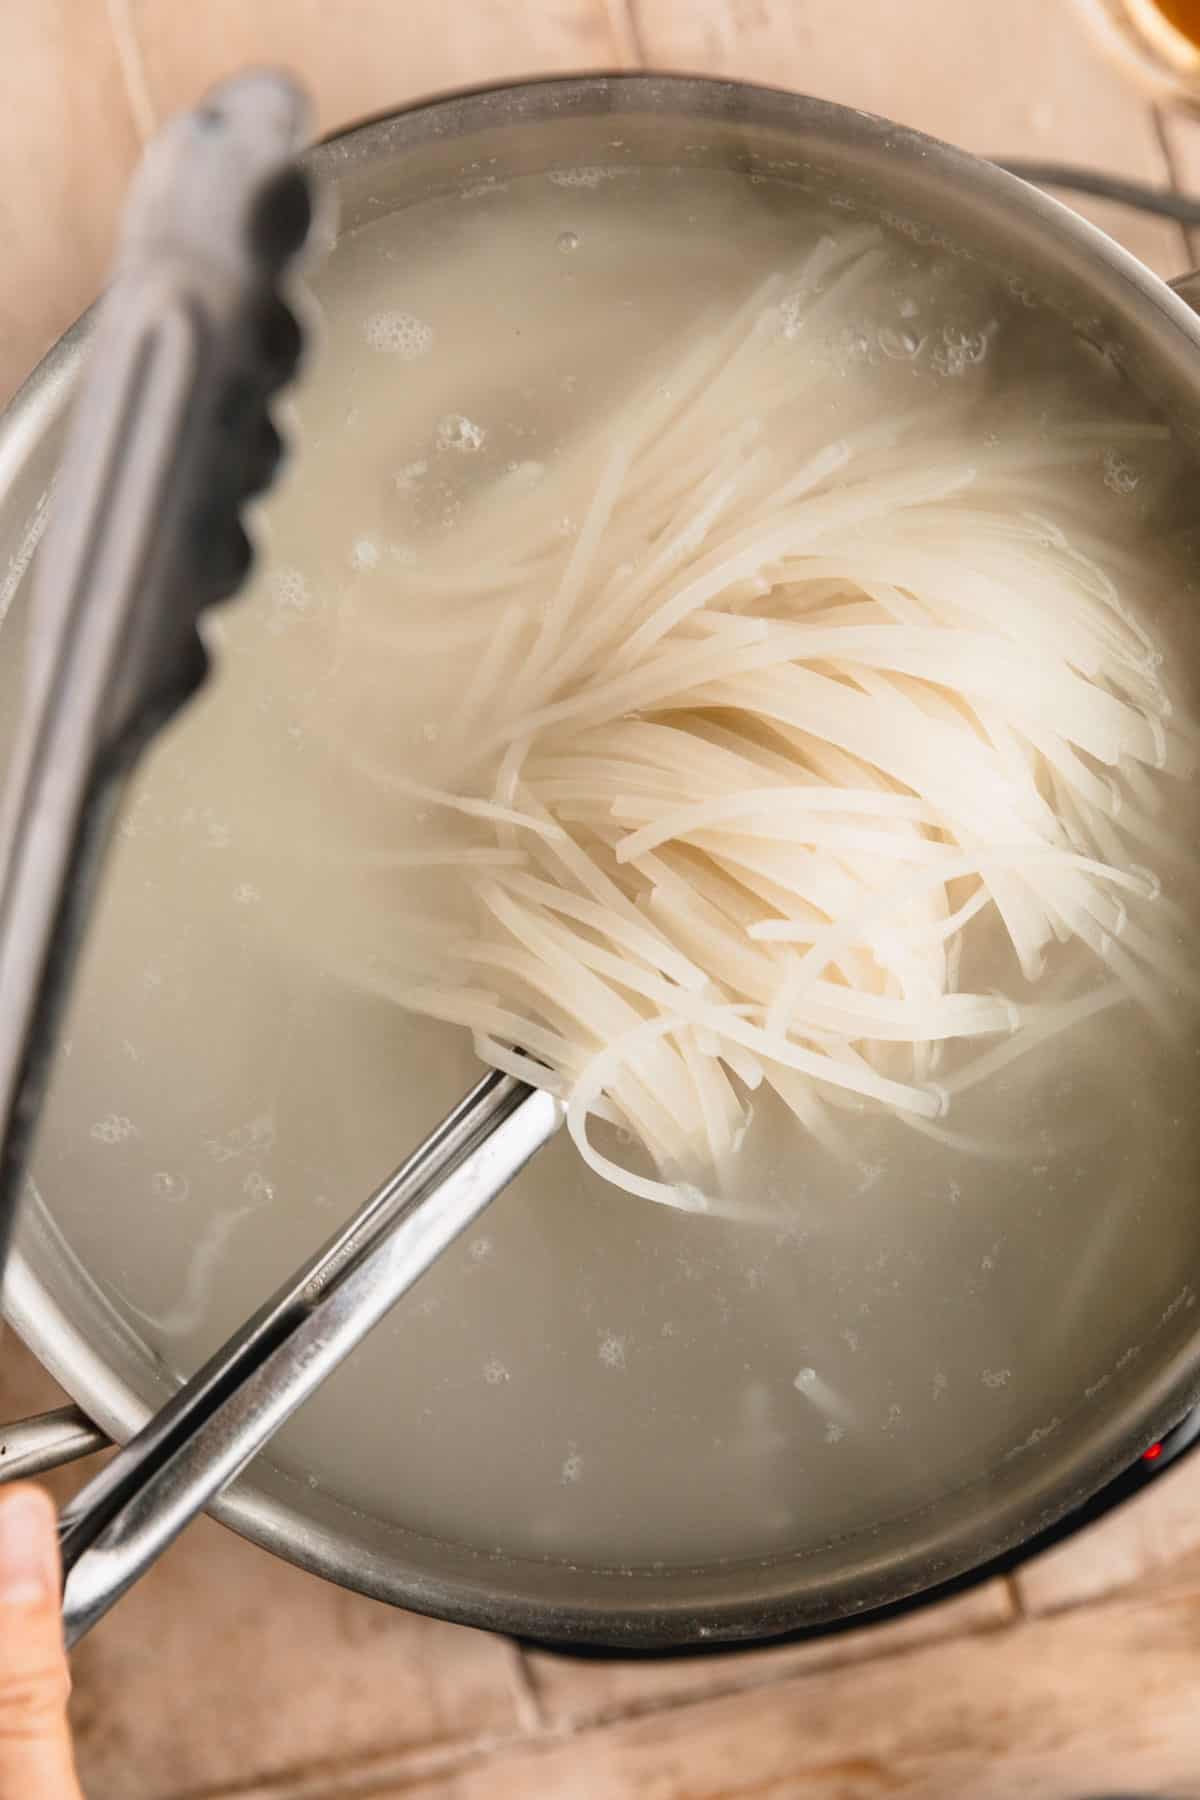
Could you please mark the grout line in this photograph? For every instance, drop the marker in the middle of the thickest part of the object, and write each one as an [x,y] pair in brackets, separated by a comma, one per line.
[748,1677]
[622,17]
[1157,1584]
[395,1773]
[531,1715]
[1190,237]
[133,66]
[364,1776]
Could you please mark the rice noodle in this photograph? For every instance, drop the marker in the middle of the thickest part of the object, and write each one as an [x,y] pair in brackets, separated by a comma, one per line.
[750,761]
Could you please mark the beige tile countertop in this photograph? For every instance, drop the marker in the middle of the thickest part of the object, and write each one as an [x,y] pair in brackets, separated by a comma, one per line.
[227,1673]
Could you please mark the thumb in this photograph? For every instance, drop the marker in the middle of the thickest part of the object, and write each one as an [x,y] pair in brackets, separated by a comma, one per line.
[36,1760]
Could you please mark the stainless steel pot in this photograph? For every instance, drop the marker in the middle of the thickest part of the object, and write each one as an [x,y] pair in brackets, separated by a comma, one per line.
[1110,299]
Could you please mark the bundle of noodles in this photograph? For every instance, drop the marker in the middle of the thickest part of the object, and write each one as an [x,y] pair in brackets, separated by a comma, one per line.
[747,756]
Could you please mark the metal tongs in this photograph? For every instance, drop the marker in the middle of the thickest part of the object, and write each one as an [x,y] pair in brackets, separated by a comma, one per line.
[171,435]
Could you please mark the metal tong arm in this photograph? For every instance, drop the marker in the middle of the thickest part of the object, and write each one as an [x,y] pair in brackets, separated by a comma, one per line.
[169,436]
[206,1434]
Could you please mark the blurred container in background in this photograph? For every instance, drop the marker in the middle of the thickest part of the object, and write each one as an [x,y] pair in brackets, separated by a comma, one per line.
[1155,42]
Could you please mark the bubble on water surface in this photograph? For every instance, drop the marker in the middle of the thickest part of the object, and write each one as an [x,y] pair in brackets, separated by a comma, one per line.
[115,1129]
[169,1188]
[456,432]
[399,334]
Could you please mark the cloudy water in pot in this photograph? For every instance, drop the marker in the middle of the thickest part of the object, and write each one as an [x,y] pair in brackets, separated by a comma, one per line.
[737,653]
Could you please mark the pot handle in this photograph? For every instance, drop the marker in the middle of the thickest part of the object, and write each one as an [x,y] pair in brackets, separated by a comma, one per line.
[47,1441]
